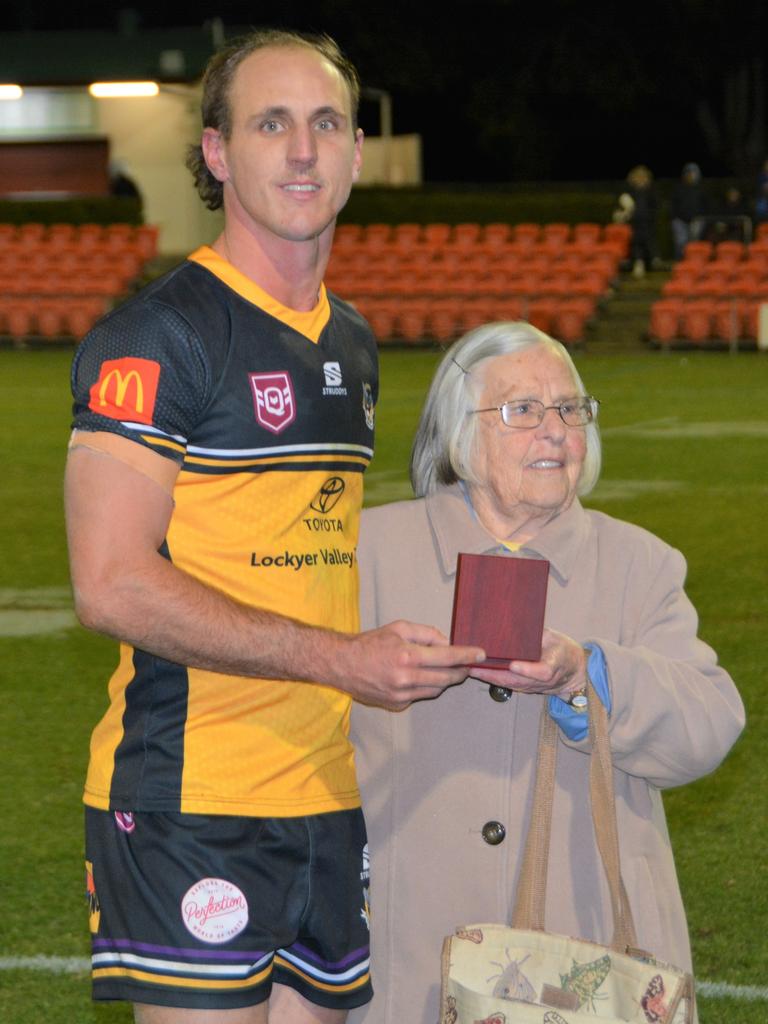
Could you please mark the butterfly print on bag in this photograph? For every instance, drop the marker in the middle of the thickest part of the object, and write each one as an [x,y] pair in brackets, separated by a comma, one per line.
[653,1001]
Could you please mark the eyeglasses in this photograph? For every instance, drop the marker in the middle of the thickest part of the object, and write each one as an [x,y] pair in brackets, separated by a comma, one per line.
[528,413]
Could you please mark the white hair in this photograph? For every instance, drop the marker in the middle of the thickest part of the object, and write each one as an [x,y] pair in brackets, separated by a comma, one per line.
[444,446]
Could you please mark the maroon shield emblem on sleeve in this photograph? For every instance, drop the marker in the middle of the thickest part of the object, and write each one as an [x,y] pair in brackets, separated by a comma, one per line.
[273,400]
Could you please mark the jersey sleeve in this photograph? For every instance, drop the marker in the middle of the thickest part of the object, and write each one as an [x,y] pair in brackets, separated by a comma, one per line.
[143,373]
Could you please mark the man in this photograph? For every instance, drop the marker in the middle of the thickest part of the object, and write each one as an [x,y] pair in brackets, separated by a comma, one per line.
[223,419]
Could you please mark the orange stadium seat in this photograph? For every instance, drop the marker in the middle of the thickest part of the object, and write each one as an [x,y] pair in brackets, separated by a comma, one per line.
[50,318]
[406,238]
[524,285]
[698,252]
[587,233]
[494,284]
[708,285]
[119,230]
[81,314]
[347,234]
[381,314]
[571,320]
[745,287]
[541,313]
[60,236]
[445,318]
[20,318]
[145,239]
[557,286]
[436,234]
[665,319]
[30,233]
[377,234]
[588,285]
[696,320]
[466,235]
[526,233]
[758,250]
[434,281]
[556,232]
[731,252]
[603,263]
[679,286]
[108,285]
[477,311]
[620,235]
[721,268]
[89,236]
[70,261]
[509,309]
[412,319]
[497,234]
[751,267]
[729,319]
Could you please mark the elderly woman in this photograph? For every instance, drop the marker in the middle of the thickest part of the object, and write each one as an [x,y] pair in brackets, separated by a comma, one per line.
[507,442]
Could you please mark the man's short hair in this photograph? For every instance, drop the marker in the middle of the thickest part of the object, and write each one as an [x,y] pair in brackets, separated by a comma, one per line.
[217,84]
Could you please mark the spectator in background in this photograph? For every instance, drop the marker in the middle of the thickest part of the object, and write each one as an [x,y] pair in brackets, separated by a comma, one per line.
[734,218]
[637,207]
[689,204]
[761,204]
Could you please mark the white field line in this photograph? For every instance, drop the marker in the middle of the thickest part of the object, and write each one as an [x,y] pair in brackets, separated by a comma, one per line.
[49,964]
[722,990]
[81,965]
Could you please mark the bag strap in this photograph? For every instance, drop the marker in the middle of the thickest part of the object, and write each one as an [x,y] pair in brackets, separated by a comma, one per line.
[530,902]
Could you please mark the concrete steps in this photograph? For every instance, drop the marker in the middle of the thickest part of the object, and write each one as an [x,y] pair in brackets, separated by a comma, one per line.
[624,318]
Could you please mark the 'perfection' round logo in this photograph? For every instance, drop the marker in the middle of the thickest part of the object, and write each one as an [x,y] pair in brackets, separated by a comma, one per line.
[214,910]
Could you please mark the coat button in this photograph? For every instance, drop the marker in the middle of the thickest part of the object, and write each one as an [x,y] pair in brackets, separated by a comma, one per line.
[494,833]
[499,693]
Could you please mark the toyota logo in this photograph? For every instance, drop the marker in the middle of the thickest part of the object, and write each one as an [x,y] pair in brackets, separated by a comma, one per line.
[328,495]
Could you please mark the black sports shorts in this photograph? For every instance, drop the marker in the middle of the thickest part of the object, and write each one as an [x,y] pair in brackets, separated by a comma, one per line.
[206,912]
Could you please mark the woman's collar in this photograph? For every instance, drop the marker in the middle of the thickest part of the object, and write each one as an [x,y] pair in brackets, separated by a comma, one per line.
[456,528]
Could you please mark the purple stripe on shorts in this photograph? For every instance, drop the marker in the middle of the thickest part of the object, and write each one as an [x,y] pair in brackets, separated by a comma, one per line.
[175,951]
[306,954]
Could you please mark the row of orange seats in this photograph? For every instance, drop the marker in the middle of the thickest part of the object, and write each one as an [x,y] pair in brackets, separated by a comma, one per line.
[705,320]
[110,285]
[418,320]
[126,266]
[494,284]
[50,318]
[726,269]
[722,254]
[469,234]
[535,277]
[32,236]
[536,256]
[39,261]
[748,285]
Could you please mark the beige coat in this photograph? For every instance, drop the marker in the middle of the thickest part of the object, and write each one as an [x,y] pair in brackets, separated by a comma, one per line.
[432,776]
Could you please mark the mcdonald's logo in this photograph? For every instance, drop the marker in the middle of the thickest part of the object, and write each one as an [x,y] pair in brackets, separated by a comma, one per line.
[126,389]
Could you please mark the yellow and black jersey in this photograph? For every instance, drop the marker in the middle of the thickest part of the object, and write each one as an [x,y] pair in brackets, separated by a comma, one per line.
[270,414]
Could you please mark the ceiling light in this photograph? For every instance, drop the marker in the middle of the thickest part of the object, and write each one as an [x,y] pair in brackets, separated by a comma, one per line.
[108,90]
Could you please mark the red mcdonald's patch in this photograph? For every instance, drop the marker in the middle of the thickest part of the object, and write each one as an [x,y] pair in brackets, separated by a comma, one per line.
[126,389]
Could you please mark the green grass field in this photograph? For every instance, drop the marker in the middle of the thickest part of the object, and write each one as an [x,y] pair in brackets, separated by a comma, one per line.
[685,454]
